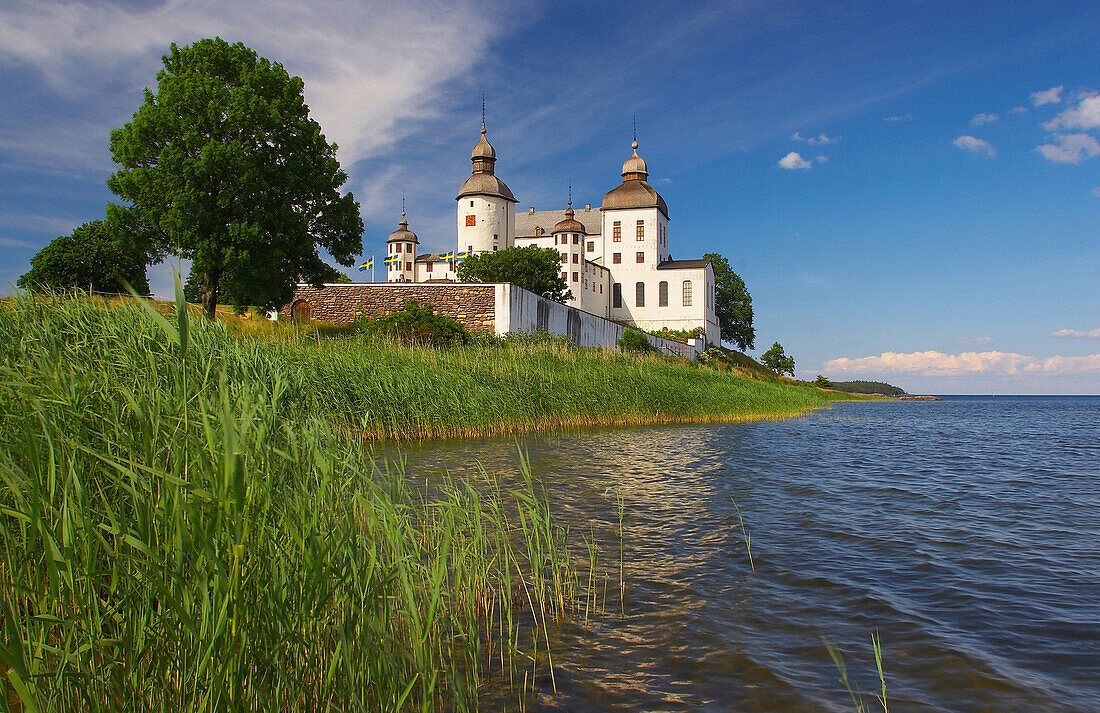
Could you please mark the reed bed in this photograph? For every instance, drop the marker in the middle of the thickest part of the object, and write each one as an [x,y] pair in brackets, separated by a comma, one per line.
[182,529]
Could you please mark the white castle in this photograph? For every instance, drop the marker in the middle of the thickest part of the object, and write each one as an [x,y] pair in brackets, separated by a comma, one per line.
[615,260]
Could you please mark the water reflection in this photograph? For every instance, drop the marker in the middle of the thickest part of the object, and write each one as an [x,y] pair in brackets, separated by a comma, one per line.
[944,526]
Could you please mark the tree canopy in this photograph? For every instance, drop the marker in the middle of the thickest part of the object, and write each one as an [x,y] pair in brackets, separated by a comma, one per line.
[93,257]
[777,361]
[732,304]
[223,165]
[532,268]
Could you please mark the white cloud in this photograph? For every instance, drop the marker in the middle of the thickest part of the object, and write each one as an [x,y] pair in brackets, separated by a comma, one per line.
[900,117]
[976,341]
[1050,96]
[993,363]
[1070,148]
[819,140]
[371,70]
[1018,110]
[983,119]
[13,243]
[979,146]
[1086,115]
[793,160]
[1077,333]
[822,159]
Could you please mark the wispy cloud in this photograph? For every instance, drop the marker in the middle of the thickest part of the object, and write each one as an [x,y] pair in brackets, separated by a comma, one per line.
[934,363]
[13,243]
[1048,96]
[793,161]
[822,159]
[1085,115]
[900,117]
[1096,191]
[1070,148]
[819,140]
[975,145]
[983,119]
[33,223]
[975,341]
[371,72]
[1018,110]
[1077,333]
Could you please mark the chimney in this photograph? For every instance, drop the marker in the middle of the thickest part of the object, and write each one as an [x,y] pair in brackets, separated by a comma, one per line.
[587,207]
[531,210]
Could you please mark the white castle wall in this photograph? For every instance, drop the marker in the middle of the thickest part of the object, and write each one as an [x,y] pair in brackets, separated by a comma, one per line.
[518,310]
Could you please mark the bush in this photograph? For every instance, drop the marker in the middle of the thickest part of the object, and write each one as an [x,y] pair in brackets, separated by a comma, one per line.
[823,382]
[778,361]
[636,341]
[417,324]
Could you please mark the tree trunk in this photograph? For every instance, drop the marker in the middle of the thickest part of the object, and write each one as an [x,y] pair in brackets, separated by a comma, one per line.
[210,280]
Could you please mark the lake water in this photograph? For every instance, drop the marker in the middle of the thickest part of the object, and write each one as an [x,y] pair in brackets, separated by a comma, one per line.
[965,531]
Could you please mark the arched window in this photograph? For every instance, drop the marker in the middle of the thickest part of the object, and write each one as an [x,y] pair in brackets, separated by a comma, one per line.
[639,294]
[687,293]
[662,294]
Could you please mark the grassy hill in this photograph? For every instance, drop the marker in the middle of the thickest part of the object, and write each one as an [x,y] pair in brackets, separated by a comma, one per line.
[868,387]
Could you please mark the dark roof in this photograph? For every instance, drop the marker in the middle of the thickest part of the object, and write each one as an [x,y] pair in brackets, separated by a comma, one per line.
[634,193]
[485,184]
[683,264]
[526,222]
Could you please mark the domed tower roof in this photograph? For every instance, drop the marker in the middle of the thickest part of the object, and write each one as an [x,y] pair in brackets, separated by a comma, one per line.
[570,224]
[483,180]
[403,234]
[634,192]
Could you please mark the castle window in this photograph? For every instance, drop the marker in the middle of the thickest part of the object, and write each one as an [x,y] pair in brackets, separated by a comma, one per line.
[428,267]
[496,237]
[662,294]
[564,257]
[641,229]
[687,293]
[471,220]
[576,239]
[601,288]
[575,276]
[591,246]
[576,259]
[640,257]
[564,276]
[471,204]
[617,295]
[408,247]
[639,294]
[617,258]
[398,247]
[617,231]
[409,266]
[538,231]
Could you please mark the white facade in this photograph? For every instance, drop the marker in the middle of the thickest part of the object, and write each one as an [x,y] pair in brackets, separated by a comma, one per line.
[616,258]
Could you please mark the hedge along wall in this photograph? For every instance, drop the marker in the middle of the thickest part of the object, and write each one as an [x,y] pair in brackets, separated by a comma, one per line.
[473,306]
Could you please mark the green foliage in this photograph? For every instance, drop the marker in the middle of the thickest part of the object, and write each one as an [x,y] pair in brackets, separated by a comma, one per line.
[417,324]
[223,166]
[869,387]
[634,340]
[732,304]
[777,361]
[192,289]
[92,257]
[188,526]
[679,334]
[823,382]
[535,269]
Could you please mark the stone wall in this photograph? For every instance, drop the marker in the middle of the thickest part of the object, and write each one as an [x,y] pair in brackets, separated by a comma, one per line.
[471,305]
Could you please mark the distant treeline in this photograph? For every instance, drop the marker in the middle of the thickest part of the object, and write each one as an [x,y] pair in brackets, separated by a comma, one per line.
[868,387]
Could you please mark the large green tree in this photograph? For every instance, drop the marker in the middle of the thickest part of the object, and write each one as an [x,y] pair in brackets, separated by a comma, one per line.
[93,257]
[532,268]
[223,165]
[732,304]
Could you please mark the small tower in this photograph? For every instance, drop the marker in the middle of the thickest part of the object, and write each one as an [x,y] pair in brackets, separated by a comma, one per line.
[401,252]
[635,217]
[486,207]
[569,239]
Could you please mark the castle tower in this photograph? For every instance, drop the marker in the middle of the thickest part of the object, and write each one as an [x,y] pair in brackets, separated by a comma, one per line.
[635,218]
[486,207]
[401,252]
[569,239]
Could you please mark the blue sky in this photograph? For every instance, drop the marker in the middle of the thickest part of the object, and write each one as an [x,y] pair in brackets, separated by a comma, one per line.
[903,186]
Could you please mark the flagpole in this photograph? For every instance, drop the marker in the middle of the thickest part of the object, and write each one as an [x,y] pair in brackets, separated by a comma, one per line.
[372,268]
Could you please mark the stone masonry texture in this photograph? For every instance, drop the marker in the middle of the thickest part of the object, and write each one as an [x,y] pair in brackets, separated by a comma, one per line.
[471,305]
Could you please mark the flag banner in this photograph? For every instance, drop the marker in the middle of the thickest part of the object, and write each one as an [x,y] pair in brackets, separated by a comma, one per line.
[392,259]
[367,265]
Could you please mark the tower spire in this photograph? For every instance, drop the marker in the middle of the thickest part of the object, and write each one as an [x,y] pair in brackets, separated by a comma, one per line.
[404,223]
[482,113]
[569,210]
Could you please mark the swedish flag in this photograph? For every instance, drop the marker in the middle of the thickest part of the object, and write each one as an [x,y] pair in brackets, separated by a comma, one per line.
[462,255]
[447,256]
[392,259]
[367,265]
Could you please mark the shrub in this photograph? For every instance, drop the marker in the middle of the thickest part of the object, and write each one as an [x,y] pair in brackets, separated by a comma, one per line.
[417,324]
[634,340]
[823,382]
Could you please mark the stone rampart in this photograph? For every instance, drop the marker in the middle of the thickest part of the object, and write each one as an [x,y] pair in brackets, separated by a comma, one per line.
[342,303]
